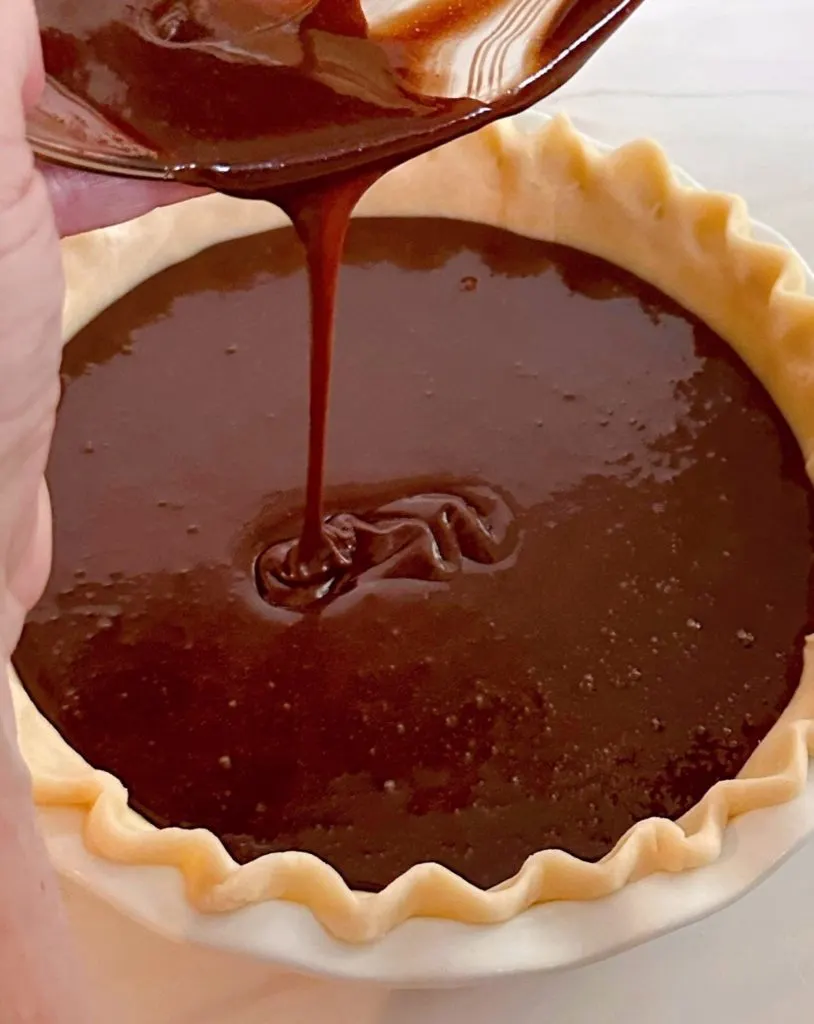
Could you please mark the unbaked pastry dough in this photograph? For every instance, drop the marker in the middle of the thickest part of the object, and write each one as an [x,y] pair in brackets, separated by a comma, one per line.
[625,206]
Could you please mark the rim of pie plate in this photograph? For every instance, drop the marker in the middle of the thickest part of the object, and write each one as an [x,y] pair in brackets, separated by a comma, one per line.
[537,177]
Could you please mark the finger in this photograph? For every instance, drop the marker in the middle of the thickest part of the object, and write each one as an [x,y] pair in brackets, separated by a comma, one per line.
[21,72]
[20,82]
[84,201]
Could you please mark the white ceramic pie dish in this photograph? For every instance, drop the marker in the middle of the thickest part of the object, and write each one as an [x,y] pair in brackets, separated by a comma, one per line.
[434,952]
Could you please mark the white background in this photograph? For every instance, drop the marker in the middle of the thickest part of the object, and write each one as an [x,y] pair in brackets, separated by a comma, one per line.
[728,87]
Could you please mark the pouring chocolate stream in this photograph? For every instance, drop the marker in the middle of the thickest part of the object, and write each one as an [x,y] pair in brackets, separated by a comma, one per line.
[302,103]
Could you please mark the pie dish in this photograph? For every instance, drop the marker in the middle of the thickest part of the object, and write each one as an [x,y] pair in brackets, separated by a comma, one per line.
[628,208]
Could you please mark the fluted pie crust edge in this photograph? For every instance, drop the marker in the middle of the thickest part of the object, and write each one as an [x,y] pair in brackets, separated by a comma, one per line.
[627,207]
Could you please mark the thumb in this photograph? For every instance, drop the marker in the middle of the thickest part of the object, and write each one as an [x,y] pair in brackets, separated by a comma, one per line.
[83,201]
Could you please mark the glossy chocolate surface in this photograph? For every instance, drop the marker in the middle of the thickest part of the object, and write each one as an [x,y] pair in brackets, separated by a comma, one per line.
[626,517]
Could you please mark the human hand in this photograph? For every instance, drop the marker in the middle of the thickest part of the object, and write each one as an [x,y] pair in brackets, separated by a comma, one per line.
[33,934]
[33,202]
[40,978]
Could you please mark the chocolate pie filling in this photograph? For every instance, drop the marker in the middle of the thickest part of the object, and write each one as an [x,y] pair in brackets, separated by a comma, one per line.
[574,537]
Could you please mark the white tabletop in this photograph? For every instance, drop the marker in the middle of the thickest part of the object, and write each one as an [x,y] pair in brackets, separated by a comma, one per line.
[728,87]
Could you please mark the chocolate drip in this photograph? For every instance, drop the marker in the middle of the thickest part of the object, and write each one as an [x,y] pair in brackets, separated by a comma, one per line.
[320,215]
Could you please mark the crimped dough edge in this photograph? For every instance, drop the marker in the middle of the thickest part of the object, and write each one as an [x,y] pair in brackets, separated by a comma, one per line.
[625,206]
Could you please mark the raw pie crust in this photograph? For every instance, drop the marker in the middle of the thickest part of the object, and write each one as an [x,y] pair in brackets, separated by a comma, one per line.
[627,207]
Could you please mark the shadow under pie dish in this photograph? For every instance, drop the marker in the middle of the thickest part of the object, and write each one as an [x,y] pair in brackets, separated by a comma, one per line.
[611,472]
